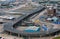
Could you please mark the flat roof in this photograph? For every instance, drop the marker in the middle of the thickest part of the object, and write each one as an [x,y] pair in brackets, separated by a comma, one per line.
[26,9]
[9,27]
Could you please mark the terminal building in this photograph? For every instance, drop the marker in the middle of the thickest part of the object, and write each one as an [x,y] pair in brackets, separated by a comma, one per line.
[15,26]
[12,25]
[21,21]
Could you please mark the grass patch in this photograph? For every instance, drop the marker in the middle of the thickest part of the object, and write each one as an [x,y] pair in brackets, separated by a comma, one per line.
[56,38]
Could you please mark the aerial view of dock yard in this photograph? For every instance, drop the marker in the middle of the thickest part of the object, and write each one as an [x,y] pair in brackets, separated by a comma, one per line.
[29,19]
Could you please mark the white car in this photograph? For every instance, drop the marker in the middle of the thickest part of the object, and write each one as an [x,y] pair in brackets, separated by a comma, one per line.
[7,17]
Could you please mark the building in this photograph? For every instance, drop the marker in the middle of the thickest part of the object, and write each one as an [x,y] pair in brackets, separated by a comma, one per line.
[13,24]
[50,10]
[58,9]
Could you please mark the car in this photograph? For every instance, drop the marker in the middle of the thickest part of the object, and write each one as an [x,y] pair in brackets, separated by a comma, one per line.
[0,37]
